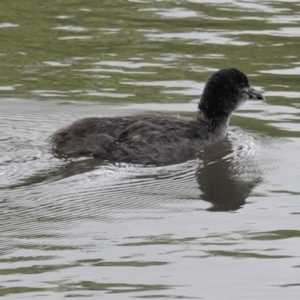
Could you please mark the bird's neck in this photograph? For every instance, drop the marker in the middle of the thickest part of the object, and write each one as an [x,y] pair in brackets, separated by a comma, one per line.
[213,117]
[216,122]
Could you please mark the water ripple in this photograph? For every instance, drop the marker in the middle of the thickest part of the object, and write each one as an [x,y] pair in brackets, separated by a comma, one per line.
[209,228]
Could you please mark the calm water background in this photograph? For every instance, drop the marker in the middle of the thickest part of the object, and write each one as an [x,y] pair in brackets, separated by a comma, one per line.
[225,226]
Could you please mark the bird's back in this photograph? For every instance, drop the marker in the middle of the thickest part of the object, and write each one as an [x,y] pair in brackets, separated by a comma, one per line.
[146,139]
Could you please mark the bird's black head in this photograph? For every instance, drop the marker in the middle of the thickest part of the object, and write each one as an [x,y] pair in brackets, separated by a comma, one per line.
[225,91]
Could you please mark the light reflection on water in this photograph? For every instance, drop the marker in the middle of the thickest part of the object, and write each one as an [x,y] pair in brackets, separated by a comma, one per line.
[223,226]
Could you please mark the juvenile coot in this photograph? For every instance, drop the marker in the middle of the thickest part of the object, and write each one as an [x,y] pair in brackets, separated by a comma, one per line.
[159,139]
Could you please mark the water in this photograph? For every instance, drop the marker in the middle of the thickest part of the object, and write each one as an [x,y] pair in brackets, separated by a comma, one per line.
[225,226]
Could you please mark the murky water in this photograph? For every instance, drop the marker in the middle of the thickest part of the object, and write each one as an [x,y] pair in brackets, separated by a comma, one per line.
[225,226]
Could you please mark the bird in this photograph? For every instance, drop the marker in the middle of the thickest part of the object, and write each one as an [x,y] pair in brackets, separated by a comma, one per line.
[159,139]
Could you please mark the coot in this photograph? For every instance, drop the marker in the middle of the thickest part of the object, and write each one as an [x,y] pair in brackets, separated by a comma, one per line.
[156,138]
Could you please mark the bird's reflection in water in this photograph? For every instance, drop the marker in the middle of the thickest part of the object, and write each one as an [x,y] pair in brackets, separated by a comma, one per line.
[227,175]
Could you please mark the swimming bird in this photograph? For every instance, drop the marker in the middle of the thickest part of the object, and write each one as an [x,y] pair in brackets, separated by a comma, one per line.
[158,139]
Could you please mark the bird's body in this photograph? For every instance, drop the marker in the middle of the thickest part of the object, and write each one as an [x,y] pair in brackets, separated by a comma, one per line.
[146,139]
[158,139]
